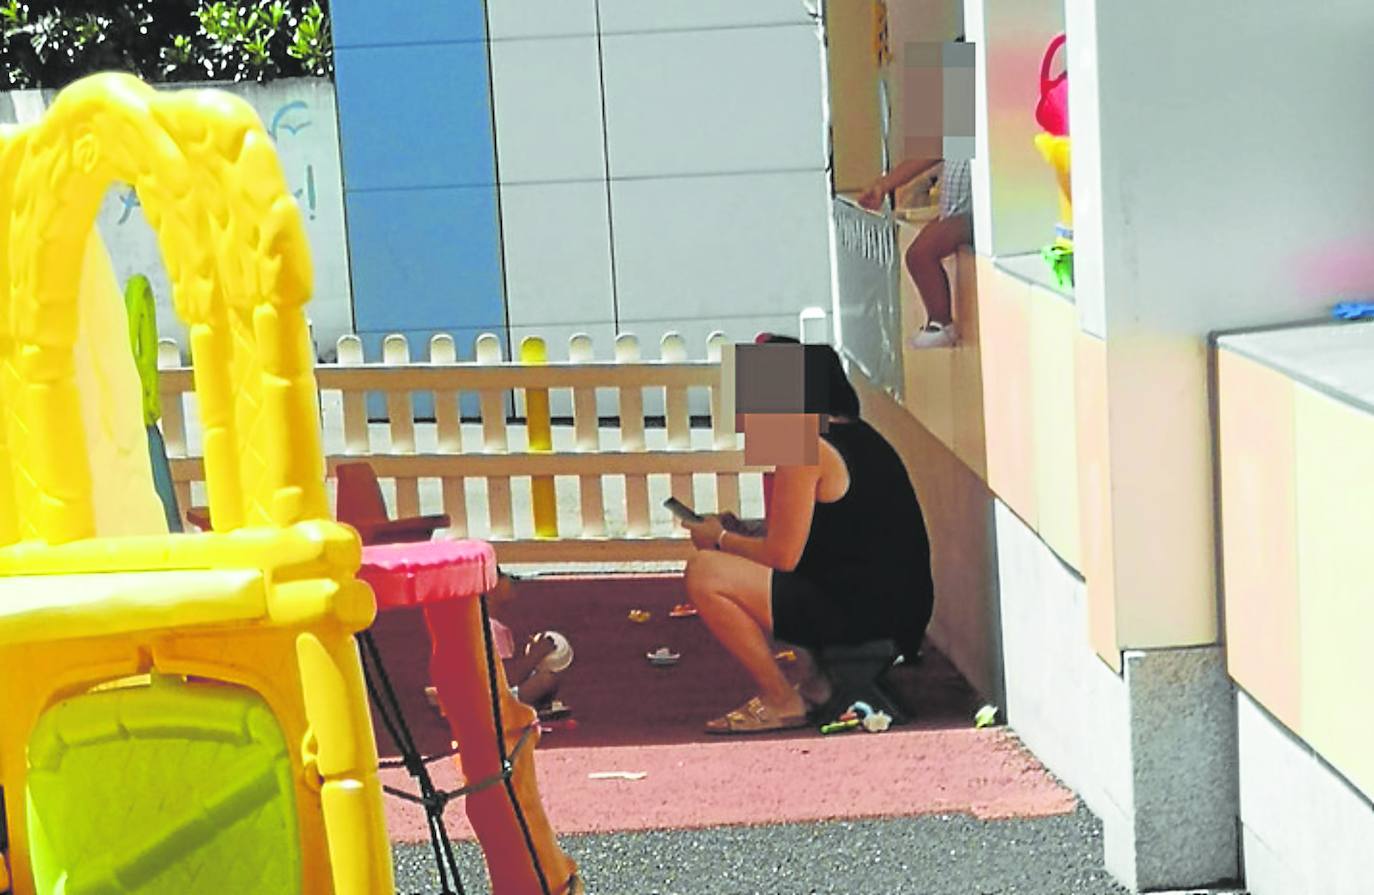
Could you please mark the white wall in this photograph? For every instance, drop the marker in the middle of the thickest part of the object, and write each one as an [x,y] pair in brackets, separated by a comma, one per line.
[1306,831]
[299,113]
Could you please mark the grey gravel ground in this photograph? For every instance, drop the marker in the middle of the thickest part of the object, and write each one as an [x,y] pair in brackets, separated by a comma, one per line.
[940,855]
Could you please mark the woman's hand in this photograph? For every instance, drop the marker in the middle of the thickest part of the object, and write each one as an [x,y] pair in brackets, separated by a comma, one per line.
[706,533]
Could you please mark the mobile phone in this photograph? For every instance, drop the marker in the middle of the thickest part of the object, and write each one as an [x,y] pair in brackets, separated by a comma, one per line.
[682,511]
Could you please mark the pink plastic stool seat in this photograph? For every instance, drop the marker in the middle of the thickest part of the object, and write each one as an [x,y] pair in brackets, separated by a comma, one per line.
[428,572]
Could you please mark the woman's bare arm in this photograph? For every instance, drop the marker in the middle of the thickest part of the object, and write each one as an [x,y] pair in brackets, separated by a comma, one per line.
[789,521]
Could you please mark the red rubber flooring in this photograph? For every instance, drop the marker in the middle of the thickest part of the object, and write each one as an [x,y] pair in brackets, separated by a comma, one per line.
[637,718]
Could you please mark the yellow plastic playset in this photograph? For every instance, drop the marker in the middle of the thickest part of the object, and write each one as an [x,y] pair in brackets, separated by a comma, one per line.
[178,713]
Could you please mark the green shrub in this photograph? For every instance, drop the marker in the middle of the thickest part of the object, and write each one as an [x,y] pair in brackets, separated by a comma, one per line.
[50,44]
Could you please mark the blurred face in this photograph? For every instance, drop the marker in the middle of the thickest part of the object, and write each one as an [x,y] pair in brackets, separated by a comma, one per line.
[781,439]
[771,404]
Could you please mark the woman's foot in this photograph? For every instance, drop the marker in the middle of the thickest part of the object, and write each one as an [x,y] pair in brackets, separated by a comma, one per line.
[757,716]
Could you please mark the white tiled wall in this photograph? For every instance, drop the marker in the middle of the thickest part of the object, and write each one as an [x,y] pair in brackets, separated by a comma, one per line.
[693,102]
[557,254]
[540,18]
[547,100]
[671,15]
[721,247]
[718,204]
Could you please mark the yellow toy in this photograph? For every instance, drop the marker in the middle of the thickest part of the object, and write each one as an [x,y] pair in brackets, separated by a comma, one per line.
[1055,151]
[178,713]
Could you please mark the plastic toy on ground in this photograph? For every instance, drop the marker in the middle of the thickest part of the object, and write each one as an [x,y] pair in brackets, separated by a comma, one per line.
[122,646]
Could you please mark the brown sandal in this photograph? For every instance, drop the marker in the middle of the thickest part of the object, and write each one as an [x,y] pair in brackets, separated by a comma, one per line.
[754,717]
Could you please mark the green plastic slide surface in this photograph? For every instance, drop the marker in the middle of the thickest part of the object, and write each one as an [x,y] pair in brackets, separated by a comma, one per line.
[162,789]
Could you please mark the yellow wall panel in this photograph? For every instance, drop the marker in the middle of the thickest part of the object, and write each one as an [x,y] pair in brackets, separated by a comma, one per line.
[1053,328]
[929,372]
[1335,500]
[1004,329]
[853,76]
[1163,500]
[967,380]
[1259,536]
[1094,496]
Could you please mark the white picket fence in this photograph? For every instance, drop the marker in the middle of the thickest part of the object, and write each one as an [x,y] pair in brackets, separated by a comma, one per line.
[610,481]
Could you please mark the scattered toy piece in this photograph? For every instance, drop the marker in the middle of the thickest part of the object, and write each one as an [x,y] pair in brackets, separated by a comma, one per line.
[876,722]
[683,610]
[861,709]
[786,655]
[663,656]
[432,696]
[555,710]
[840,726]
[986,717]
[617,775]
[640,616]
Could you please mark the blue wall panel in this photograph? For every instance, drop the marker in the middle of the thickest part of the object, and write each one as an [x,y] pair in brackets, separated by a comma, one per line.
[415,116]
[380,23]
[418,151]
[425,259]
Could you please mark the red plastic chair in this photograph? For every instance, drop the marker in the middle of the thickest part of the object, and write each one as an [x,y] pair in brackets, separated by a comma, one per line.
[361,505]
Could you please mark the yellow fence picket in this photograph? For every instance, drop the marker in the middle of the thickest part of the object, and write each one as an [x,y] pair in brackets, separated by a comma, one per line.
[448,421]
[587,435]
[539,438]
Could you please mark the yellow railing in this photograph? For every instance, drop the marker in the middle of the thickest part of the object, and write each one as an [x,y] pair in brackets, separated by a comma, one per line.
[474,469]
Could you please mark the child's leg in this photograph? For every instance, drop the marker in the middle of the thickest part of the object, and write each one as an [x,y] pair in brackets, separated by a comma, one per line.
[924,259]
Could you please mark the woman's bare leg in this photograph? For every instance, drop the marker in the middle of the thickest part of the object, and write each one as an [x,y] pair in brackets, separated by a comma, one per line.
[734,598]
[925,261]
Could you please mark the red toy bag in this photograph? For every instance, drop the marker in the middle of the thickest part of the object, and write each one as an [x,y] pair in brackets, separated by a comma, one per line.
[1052,113]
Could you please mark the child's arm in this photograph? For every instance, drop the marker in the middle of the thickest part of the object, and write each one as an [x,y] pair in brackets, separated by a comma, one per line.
[524,664]
[908,171]
[898,177]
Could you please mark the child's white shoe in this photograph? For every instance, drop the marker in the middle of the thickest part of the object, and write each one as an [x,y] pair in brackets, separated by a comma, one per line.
[934,335]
